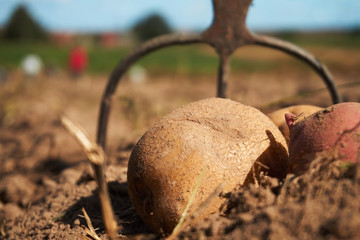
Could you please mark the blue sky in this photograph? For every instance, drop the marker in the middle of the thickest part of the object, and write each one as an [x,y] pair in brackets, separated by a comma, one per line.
[109,15]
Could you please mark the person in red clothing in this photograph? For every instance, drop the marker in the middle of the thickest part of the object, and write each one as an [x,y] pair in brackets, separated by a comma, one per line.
[77,61]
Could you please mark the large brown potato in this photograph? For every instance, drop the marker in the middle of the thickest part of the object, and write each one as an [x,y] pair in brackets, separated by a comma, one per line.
[224,136]
[278,116]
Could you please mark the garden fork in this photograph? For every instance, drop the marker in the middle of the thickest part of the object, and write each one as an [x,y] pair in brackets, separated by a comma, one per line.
[227,33]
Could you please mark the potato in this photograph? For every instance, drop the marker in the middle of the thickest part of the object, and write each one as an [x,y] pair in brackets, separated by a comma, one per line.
[222,136]
[335,129]
[278,117]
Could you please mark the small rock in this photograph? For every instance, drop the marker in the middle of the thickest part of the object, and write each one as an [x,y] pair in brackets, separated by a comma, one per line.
[12,211]
[17,189]
[47,215]
[62,226]
[49,183]
[70,176]
[77,222]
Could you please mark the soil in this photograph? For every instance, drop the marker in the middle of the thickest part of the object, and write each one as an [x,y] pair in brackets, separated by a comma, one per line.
[46,180]
[322,204]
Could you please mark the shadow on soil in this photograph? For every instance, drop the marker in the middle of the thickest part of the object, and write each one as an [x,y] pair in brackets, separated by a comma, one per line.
[129,222]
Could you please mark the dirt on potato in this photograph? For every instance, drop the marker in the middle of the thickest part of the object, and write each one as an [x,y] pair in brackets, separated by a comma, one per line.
[46,180]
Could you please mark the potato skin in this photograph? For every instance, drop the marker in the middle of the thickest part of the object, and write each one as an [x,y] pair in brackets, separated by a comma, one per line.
[336,130]
[223,136]
[278,116]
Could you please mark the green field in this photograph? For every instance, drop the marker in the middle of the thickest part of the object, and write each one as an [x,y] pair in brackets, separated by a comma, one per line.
[348,40]
[183,60]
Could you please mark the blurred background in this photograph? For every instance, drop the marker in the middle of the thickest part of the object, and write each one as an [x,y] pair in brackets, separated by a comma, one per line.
[56,57]
[59,52]
[108,29]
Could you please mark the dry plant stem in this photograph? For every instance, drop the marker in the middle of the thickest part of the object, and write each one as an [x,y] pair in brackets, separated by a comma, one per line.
[90,230]
[208,200]
[96,156]
[197,212]
[282,196]
[2,229]
[92,150]
[183,215]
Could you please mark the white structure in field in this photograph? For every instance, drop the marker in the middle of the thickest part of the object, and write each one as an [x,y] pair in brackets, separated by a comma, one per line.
[138,74]
[31,65]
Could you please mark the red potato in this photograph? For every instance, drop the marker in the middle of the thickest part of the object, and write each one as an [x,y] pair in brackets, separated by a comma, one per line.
[335,129]
[299,110]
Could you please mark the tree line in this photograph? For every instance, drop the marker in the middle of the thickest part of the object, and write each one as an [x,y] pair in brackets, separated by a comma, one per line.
[21,26]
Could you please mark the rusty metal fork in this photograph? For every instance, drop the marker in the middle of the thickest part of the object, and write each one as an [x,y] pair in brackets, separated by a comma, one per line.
[227,33]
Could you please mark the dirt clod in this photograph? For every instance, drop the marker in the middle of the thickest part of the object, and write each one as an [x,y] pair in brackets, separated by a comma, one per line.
[317,205]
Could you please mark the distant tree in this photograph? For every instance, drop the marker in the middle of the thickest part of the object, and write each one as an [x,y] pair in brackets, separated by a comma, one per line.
[355,31]
[151,26]
[21,26]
